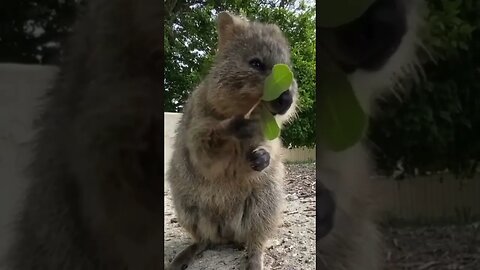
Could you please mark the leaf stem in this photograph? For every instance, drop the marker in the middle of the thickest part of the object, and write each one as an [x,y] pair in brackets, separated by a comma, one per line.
[247,116]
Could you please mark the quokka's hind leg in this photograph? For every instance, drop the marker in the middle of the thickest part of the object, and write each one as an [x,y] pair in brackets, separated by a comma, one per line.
[255,260]
[186,256]
[255,251]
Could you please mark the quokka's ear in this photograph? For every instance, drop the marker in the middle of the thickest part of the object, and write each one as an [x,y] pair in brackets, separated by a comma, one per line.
[228,25]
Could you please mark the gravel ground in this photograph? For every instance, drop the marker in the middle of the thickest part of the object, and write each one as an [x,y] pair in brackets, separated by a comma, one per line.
[433,248]
[407,248]
[293,248]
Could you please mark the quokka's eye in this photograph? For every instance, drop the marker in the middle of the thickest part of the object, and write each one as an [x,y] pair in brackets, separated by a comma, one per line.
[257,64]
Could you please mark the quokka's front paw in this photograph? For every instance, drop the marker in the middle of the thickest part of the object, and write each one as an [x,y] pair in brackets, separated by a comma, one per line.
[243,128]
[259,159]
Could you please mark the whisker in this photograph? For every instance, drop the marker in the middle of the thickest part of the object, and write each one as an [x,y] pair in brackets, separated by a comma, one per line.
[425,49]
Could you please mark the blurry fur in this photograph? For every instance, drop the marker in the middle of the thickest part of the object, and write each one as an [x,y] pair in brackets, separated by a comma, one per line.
[354,243]
[95,196]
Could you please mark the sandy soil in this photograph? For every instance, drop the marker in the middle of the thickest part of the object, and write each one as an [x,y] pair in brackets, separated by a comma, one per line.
[445,247]
[293,248]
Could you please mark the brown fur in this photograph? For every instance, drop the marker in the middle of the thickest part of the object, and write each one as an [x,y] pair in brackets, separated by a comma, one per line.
[94,201]
[218,197]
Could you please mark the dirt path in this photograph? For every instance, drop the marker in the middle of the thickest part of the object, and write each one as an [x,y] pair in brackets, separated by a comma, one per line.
[433,248]
[293,248]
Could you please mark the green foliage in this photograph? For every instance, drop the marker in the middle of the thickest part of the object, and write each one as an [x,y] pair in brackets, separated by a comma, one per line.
[31,31]
[277,82]
[271,130]
[437,126]
[190,42]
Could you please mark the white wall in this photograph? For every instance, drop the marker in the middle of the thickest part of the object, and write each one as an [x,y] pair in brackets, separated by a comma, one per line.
[170,124]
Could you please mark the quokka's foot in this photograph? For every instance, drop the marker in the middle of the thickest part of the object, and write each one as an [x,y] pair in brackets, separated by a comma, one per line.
[186,256]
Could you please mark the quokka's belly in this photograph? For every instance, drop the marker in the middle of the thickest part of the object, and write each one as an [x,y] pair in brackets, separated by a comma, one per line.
[225,228]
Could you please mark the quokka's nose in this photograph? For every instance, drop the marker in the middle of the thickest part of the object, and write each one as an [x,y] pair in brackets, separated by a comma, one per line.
[282,103]
[370,40]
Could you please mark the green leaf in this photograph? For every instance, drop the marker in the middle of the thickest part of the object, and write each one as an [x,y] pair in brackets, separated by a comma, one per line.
[277,82]
[270,128]
[333,13]
[341,120]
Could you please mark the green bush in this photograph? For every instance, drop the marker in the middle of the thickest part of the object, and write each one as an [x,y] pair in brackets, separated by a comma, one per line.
[437,125]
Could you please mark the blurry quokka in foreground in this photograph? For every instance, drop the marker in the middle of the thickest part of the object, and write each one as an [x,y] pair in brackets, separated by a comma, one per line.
[376,50]
[225,177]
[94,200]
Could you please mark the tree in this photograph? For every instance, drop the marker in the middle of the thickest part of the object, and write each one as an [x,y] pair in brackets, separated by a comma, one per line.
[190,40]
